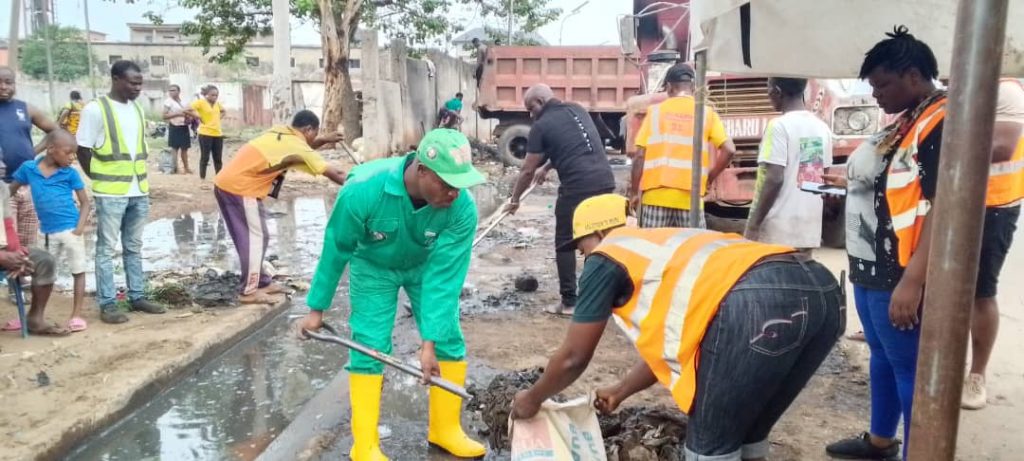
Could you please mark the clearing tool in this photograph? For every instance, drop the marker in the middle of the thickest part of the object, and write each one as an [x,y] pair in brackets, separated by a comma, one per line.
[334,337]
[497,219]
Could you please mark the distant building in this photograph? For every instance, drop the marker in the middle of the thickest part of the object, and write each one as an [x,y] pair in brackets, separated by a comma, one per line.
[94,36]
[171,33]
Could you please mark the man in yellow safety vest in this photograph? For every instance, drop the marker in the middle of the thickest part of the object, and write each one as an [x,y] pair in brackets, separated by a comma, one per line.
[733,328]
[661,182]
[112,151]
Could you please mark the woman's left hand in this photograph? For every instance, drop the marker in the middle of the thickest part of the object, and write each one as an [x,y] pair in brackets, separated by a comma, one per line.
[905,303]
[523,406]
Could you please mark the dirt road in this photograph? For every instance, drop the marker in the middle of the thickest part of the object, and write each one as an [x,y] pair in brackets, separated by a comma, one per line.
[94,374]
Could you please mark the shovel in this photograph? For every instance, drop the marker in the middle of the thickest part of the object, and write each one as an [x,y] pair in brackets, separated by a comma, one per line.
[497,219]
[333,337]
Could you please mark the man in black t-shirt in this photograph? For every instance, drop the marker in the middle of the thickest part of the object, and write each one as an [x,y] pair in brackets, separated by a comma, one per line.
[563,137]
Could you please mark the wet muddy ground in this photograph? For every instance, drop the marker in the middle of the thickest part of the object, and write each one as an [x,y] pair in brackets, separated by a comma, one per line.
[238,404]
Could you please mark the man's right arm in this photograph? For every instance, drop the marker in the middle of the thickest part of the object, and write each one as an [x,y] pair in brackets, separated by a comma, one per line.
[340,240]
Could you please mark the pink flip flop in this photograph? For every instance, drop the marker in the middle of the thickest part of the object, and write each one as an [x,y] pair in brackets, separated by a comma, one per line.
[77,324]
[12,325]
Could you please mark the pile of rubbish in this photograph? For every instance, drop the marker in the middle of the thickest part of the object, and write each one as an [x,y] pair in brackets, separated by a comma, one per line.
[494,403]
[207,288]
[631,434]
[644,434]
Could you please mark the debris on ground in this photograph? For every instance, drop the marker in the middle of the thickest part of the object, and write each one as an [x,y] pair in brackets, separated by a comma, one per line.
[207,287]
[507,300]
[494,403]
[631,434]
[43,379]
[644,434]
[526,283]
[215,289]
[172,295]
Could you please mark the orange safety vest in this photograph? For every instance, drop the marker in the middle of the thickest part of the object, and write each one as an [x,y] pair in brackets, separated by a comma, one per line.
[1006,179]
[668,157]
[679,277]
[903,193]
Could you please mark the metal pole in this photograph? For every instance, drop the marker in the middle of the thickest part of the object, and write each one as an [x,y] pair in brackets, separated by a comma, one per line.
[88,48]
[511,9]
[48,33]
[701,68]
[957,226]
[12,37]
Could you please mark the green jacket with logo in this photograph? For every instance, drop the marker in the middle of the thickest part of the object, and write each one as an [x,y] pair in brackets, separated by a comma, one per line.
[374,221]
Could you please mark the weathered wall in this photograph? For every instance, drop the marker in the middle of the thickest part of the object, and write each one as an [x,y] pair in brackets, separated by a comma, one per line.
[402,95]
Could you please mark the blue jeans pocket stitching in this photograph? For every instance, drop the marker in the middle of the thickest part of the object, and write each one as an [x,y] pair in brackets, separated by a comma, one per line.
[765,333]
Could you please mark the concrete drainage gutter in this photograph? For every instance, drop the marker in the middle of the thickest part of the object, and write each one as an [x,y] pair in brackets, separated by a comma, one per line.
[159,381]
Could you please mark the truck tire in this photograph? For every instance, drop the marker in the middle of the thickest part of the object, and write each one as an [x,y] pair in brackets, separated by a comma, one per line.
[833,226]
[512,145]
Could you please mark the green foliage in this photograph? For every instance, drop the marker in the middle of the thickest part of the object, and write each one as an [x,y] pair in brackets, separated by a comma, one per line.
[233,23]
[70,55]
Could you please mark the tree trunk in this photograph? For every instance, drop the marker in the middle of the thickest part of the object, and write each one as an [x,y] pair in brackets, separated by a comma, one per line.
[341,110]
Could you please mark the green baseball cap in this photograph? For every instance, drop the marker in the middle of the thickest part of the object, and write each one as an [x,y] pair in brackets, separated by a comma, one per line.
[447,153]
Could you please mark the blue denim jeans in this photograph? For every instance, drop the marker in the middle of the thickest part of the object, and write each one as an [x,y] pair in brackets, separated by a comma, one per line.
[124,218]
[770,334]
[893,365]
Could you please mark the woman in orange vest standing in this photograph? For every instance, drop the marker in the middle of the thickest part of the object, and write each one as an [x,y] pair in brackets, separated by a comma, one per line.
[891,182]
[758,319]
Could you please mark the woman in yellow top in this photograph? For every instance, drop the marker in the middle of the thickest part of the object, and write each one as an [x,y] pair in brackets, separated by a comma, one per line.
[211,138]
[71,113]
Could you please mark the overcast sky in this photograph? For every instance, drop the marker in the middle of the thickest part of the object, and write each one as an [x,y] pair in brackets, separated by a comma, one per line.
[595,24]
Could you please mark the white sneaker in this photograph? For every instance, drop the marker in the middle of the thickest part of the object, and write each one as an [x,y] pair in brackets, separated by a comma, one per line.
[975,397]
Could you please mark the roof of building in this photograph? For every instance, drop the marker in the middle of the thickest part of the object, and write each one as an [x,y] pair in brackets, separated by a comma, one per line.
[487,33]
[147,26]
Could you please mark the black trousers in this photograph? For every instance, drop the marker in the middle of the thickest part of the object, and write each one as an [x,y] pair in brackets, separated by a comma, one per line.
[565,206]
[210,146]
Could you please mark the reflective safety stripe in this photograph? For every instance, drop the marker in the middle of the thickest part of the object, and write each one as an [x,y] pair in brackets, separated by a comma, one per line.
[680,304]
[907,218]
[670,139]
[669,162]
[116,178]
[1005,168]
[659,255]
[113,137]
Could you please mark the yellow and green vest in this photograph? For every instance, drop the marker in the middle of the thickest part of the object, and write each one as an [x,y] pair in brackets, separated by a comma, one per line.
[112,166]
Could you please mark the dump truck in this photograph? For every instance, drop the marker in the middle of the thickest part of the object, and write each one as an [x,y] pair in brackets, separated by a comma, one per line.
[657,36]
[599,78]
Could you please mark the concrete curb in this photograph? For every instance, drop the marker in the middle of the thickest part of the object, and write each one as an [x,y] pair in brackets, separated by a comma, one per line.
[158,382]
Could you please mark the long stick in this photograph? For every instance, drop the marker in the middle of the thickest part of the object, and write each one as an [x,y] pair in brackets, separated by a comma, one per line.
[351,154]
[496,220]
[387,360]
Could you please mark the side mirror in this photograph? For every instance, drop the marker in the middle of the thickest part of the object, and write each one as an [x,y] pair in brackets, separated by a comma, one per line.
[627,35]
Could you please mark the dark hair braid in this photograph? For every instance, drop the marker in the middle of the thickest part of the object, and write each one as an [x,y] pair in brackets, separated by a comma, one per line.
[900,53]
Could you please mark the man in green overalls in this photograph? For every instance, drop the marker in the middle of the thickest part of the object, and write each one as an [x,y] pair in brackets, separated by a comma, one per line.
[403,223]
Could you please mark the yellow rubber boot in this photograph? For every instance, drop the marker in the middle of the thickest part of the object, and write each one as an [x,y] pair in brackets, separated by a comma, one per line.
[364,396]
[446,416]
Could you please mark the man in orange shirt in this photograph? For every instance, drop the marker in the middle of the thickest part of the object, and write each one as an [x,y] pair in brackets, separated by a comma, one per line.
[255,172]
[660,182]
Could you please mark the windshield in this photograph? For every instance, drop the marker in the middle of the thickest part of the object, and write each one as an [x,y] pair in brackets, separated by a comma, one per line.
[853,86]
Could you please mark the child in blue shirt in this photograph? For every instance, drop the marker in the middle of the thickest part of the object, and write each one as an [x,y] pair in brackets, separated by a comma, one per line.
[53,182]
